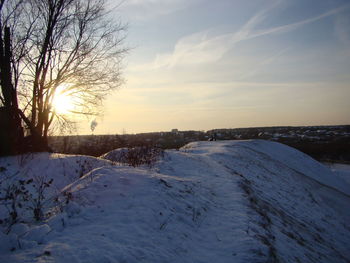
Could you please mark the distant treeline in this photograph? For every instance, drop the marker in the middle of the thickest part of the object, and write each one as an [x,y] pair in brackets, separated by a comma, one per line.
[323,143]
[334,151]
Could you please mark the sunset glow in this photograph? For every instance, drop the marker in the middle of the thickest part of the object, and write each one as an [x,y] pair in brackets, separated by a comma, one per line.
[200,65]
[63,102]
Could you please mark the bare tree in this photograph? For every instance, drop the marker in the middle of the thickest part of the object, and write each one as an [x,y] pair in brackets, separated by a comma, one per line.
[11,134]
[70,46]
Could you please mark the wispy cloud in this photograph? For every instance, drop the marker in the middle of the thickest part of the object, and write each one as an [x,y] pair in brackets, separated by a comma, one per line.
[145,9]
[293,26]
[342,29]
[202,47]
[196,49]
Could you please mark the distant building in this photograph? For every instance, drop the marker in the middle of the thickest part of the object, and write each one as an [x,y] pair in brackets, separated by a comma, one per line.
[174,130]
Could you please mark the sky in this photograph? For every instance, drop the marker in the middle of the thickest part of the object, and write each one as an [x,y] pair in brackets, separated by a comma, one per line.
[203,64]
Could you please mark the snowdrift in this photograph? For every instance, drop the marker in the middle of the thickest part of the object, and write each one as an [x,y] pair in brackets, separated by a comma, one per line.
[229,201]
[63,169]
[117,155]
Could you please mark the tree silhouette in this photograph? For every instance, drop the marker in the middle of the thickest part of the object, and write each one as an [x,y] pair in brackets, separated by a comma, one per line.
[11,134]
[68,45]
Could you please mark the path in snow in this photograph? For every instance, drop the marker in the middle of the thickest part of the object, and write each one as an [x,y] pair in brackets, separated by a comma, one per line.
[232,201]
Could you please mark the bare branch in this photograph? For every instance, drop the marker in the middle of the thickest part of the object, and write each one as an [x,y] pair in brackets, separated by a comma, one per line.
[60,42]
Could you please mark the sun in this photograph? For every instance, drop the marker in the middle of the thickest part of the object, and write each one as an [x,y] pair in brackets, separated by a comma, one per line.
[63,102]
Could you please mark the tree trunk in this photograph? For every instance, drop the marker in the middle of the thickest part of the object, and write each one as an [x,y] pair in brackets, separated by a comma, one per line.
[11,135]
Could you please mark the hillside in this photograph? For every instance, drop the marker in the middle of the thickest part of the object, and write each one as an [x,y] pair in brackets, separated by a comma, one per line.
[323,143]
[224,201]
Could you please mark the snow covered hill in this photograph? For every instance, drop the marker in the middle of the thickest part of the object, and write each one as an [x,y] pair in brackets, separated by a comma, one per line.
[228,201]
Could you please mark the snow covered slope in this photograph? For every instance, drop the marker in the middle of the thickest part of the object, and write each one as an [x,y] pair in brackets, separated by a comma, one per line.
[229,201]
[63,169]
[341,170]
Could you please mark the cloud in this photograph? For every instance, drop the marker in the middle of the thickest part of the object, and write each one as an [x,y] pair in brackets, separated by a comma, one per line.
[206,47]
[142,10]
[342,29]
[293,26]
[196,49]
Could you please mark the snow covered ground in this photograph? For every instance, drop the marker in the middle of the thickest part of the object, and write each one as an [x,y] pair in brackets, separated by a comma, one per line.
[340,170]
[228,201]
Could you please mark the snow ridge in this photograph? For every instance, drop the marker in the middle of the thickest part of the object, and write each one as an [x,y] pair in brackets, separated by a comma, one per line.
[225,201]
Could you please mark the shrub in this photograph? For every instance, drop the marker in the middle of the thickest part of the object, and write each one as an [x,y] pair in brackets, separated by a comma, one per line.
[136,156]
[22,200]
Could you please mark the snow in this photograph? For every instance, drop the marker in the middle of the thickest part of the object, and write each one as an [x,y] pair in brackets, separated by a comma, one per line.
[63,169]
[223,201]
[117,155]
[340,170]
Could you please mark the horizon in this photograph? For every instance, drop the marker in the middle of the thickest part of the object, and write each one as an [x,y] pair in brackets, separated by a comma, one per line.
[194,65]
[204,131]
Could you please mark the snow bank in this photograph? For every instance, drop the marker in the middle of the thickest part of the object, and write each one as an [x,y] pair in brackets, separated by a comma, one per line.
[63,169]
[27,177]
[340,170]
[231,201]
[259,151]
[117,155]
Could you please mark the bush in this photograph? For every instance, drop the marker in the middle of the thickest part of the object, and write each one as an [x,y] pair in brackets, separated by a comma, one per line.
[25,200]
[136,156]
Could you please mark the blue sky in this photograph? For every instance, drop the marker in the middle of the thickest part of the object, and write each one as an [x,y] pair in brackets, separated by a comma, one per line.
[201,64]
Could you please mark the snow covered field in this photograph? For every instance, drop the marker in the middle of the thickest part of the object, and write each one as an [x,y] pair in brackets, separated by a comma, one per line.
[228,201]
